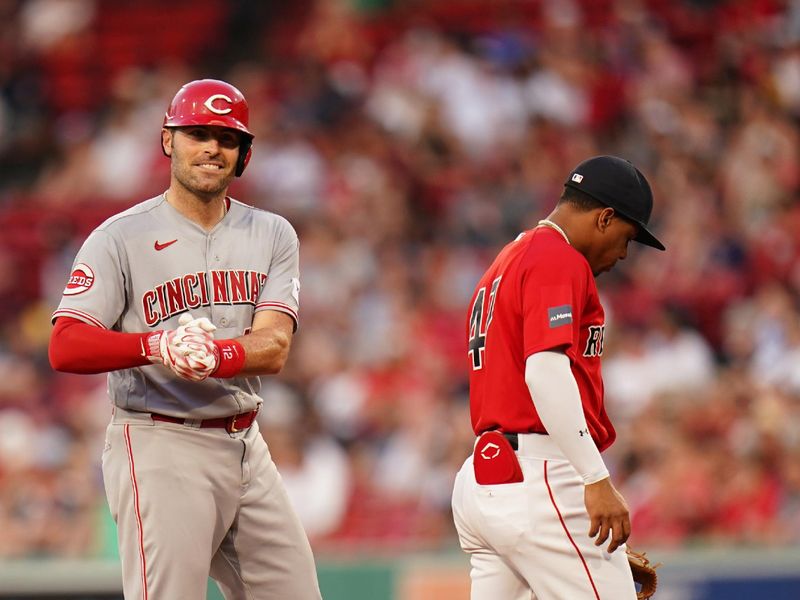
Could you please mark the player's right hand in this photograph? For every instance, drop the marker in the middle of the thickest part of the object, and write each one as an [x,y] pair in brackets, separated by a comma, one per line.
[608,512]
[188,351]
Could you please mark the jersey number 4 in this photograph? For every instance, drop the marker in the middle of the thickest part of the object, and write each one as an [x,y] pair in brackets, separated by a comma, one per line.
[478,328]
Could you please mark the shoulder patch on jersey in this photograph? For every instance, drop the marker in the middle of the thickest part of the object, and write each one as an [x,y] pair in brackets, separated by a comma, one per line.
[80,280]
[559,315]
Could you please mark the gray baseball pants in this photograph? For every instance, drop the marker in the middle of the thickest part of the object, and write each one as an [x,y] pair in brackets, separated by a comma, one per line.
[190,503]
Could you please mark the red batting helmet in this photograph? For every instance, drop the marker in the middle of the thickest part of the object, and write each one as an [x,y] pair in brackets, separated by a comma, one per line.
[213,102]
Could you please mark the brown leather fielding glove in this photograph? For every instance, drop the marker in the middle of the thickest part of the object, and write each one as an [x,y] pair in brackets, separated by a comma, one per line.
[644,573]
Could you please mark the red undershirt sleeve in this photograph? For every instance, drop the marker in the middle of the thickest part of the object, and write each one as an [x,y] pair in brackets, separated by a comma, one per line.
[77,347]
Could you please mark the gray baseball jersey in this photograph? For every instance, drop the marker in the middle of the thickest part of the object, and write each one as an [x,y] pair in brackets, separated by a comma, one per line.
[143,268]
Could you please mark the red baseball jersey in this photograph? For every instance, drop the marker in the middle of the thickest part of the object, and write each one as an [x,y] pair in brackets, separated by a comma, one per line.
[539,294]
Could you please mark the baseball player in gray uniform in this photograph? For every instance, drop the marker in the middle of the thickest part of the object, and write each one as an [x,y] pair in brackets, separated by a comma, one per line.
[186,299]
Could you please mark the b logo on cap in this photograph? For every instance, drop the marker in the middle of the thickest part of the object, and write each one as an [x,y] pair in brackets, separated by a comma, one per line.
[577,178]
[209,104]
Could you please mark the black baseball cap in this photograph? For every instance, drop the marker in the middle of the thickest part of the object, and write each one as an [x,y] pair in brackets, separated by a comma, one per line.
[617,183]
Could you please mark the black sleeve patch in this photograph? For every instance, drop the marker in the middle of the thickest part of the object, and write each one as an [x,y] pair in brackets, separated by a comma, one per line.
[559,315]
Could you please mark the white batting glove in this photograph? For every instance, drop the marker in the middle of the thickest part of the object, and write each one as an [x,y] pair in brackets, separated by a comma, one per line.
[189,350]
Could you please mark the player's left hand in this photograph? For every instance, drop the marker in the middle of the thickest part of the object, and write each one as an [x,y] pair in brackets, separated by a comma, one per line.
[189,350]
[608,512]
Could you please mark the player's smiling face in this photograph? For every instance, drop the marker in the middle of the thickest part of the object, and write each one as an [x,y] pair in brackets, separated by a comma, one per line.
[203,157]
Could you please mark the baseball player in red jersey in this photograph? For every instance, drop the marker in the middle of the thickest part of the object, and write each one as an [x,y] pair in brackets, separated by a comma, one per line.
[188,476]
[534,504]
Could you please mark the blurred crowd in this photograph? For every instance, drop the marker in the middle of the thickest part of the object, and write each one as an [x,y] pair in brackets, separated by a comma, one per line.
[407,142]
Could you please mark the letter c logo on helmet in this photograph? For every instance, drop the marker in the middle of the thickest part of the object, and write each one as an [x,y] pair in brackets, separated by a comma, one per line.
[211,102]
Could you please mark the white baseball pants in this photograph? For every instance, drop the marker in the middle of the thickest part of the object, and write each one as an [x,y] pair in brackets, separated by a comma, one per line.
[530,540]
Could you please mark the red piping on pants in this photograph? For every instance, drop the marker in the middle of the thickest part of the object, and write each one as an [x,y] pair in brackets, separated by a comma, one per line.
[571,541]
[139,527]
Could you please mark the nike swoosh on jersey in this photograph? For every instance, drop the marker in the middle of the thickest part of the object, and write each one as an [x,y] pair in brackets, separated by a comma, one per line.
[158,246]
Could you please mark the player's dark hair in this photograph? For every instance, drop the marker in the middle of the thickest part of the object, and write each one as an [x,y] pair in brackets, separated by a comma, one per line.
[580,200]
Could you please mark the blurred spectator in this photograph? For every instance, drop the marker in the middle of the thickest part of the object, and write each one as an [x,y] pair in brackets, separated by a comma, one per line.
[46,23]
[669,357]
[408,142]
[313,467]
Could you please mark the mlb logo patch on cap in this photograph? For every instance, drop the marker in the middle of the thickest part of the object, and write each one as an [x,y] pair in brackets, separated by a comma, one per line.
[577,178]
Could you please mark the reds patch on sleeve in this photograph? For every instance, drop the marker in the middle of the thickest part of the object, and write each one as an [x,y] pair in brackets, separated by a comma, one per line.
[559,315]
[80,280]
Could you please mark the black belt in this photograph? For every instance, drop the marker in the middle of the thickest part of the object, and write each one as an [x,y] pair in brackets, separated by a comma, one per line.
[513,439]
